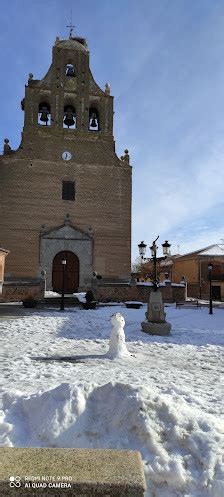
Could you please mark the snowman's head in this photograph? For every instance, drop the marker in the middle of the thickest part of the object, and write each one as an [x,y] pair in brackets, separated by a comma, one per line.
[117,320]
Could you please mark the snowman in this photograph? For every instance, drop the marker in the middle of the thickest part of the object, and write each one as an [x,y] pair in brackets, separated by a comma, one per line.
[117,346]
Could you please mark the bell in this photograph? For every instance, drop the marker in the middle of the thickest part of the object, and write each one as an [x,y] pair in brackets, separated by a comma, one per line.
[44,115]
[93,123]
[70,72]
[69,118]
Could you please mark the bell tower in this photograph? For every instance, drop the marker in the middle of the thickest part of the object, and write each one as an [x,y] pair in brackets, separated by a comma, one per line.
[67,102]
[65,189]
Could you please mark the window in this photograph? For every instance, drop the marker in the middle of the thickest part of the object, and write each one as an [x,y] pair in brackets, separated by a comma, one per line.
[68,190]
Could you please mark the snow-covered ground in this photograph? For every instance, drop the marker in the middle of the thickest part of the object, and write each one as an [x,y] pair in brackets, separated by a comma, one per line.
[59,390]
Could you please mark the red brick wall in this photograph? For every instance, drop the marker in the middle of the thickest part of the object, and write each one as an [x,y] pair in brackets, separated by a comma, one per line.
[193,290]
[122,293]
[17,291]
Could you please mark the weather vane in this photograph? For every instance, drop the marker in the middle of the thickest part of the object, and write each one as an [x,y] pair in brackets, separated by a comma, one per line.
[71,27]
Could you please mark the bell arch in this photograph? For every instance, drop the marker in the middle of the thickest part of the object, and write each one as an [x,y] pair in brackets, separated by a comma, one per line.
[70,70]
[44,114]
[69,118]
[94,119]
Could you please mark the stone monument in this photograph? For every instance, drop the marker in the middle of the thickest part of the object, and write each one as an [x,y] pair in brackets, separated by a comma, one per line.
[156,317]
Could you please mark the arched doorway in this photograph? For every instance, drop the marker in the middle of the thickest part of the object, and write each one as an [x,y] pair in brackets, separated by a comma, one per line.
[71,272]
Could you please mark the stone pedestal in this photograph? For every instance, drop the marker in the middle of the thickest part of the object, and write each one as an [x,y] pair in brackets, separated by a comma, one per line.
[161,329]
[156,317]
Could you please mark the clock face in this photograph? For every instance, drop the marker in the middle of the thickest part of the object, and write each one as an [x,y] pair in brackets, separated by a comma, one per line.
[66,155]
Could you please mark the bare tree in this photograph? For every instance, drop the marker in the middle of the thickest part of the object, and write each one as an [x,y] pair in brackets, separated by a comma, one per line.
[144,270]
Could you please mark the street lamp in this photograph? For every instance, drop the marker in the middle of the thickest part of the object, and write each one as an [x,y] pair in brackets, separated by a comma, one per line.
[155,323]
[64,262]
[166,251]
[166,248]
[142,249]
[210,266]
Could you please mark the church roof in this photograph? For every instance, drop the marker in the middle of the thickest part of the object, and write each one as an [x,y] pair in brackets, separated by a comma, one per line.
[75,43]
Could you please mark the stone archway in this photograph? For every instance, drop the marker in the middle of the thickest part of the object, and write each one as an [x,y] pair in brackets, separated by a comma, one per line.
[67,238]
[71,272]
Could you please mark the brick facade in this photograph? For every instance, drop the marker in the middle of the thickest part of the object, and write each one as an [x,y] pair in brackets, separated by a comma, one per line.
[31,178]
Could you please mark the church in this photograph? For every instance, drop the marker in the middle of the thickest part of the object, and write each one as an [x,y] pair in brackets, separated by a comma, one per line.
[65,194]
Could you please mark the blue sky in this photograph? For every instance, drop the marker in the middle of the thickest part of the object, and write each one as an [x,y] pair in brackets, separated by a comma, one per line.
[164,60]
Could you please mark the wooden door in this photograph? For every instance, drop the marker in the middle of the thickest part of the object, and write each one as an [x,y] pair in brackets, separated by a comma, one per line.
[71,272]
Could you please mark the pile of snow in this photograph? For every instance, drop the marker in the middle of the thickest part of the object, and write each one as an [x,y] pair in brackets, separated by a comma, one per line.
[133,302]
[50,293]
[165,399]
[180,446]
[81,296]
[161,283]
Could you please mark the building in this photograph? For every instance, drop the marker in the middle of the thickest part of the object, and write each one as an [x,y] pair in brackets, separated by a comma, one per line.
[65,194]
[194,267]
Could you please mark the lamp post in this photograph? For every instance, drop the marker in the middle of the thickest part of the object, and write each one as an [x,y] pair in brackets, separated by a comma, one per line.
[155,323]
[210,266]
[154,249]
[166,251]
[64,262]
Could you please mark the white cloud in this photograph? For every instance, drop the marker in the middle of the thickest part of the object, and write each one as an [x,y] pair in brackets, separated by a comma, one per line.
[163,200]
[199,241]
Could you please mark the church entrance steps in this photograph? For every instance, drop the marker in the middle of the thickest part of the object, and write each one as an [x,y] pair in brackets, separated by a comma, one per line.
[69,300]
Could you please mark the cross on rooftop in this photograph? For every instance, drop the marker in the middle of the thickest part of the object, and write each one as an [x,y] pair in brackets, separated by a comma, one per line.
[71,27]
